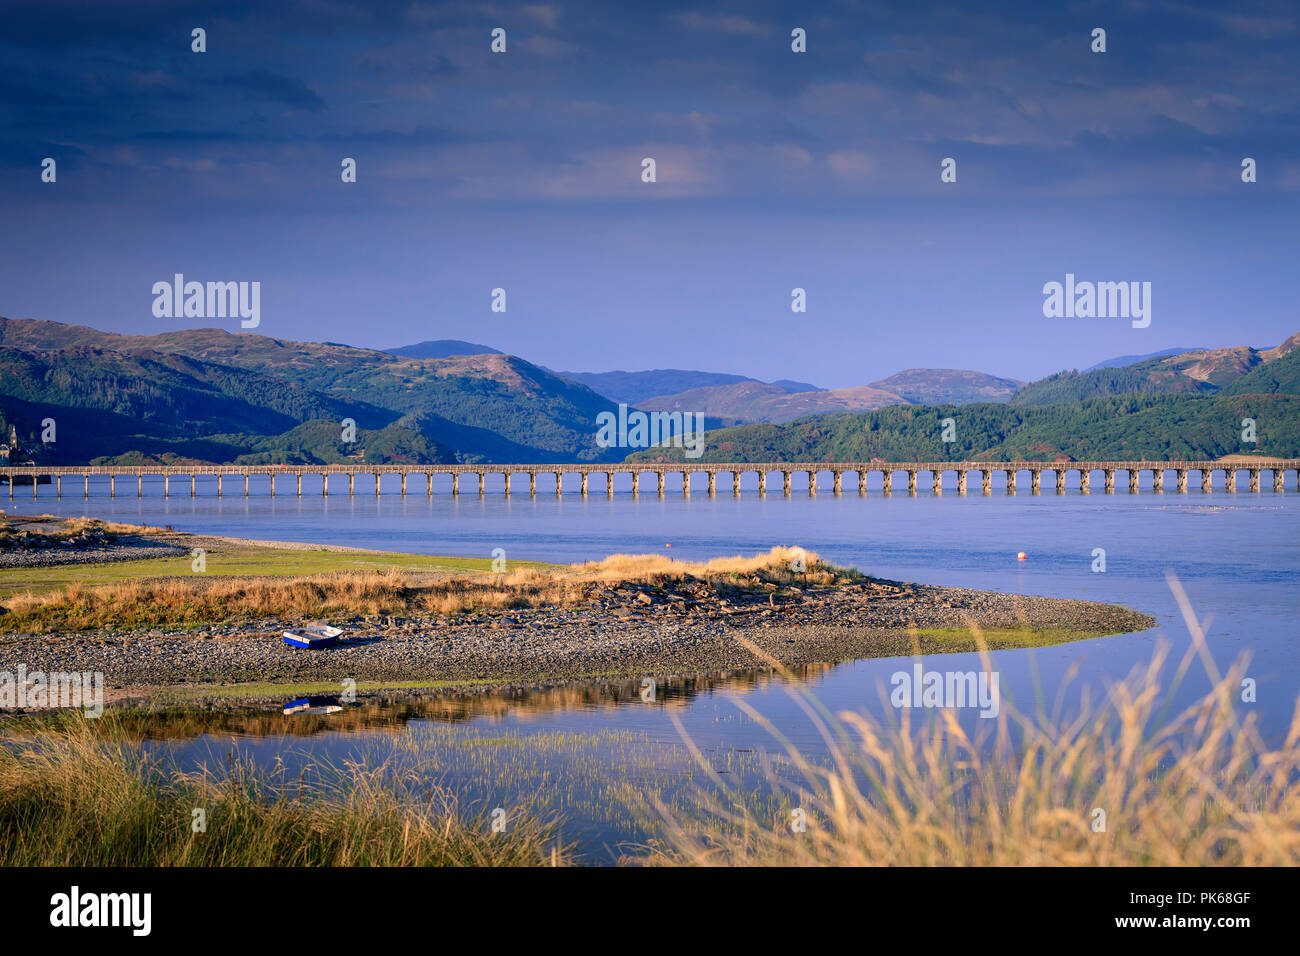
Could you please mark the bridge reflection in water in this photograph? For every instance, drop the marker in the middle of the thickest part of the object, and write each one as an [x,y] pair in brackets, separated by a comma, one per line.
[280,476]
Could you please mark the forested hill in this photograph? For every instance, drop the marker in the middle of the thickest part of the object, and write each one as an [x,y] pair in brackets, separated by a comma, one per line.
[1122,427]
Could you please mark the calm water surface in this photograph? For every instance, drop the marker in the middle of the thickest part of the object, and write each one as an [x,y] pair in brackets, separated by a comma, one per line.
[1238,556]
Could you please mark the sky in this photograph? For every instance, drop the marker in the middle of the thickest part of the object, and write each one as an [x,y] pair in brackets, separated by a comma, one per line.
[775,170]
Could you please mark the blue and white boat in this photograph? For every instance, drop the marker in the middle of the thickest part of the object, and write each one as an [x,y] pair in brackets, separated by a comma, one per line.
[313,637]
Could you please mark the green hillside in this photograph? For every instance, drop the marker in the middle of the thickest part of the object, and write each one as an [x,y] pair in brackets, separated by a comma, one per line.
[203,392]
[1279,377]
[1149,376]
[1128,427]
[1235,371]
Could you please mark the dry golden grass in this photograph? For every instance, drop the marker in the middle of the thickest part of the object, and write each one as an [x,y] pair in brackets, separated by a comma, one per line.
[1199,789]
[775,567]
[198,600]
[57,529]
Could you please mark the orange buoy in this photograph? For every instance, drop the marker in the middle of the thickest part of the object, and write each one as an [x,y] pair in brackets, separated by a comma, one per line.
[668,545]
[1021,556]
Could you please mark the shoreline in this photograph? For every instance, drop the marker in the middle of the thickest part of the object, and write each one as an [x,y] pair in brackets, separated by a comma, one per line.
[617,631]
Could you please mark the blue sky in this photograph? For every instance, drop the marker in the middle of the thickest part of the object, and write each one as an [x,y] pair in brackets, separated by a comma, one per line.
[775,170]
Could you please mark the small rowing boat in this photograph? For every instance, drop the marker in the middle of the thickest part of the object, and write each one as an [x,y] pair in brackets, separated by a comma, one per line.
[313,637]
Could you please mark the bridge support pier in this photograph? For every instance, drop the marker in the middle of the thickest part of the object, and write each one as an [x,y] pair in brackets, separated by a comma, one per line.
[1035,482]
[139,487]
[1181,477]
[1133,475]
[299,487]
[713,483]
[584,484]
[961,482]
[378,476]
[862,482]
[1158,480]
[735,484]
[1085,481]
[812,483]
[785,483]
[936,482]
[58,486]
[428,484]
[271,477]
[1254,480]
[403,484]
[762,483]
[1231,479]
[482,483]
[532,484]
[455,483]
[609,484]
[986,482]
[837,482]
[1277,480]
[559,484]
[659,483]
[686,484]
[1011,482]
[1110,481]
[1207,480]
[911,483]
[324,484]
[245,486]
[86,479]
[887,478]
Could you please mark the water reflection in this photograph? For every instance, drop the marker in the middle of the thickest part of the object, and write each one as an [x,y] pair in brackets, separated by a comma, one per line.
[304,716]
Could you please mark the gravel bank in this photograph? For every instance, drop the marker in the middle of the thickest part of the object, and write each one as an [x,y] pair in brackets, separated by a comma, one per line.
[622,632]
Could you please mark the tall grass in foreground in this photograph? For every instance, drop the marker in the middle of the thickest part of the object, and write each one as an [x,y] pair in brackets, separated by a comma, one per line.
[75,797]
[1199,789]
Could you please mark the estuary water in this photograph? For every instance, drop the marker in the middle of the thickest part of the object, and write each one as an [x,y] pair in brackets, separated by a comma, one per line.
[1237,556]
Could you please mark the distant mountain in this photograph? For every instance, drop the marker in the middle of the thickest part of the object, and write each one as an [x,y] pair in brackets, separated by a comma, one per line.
[484,407]
[750,401]
[1203,372]
[1134,359]
[790,385]
[442,348]
[756,402]
[632,387]
[948,386]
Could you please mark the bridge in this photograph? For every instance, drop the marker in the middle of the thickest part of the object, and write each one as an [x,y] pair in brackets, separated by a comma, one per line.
[320,475]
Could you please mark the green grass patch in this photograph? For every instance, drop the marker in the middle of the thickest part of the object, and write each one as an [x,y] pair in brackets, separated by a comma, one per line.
[237,561]
[954,640]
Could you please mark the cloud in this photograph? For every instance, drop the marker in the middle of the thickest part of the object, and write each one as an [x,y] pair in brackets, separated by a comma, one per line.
[850,163]
[278,88]
[735,25]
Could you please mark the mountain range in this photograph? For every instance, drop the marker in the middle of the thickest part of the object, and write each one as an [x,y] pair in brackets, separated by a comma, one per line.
[1192,405]
[207,395]
[211,395]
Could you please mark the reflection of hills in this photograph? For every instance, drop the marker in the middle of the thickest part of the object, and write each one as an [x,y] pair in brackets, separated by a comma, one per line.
[394,712]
